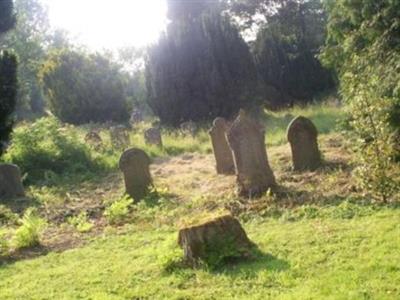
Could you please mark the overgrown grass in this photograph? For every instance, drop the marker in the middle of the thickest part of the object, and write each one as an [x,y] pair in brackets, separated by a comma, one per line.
[309,258]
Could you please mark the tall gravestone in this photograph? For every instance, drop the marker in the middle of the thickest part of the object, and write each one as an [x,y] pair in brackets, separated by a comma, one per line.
[152,136]
[247,141]
[302,136]
[134,163]
[222,151]
[10,182]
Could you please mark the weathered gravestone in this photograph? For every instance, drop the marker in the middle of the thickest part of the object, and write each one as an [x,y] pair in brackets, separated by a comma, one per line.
[302,136]
[247,141]
[222,151]
[134,163]
[136,117]
[189,127]
[92,138]
[119,136]
[152,136]
[214,241]
[10,182]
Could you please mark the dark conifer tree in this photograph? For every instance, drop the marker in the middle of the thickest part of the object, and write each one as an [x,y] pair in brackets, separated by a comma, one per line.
[8,75]
[201,68]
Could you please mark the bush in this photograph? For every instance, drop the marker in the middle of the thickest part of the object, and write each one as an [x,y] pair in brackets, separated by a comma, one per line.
[45,149]
[28,234]
[83,88]
[118,211]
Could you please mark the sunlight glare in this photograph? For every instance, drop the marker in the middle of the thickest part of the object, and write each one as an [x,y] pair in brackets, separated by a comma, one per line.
[109,23]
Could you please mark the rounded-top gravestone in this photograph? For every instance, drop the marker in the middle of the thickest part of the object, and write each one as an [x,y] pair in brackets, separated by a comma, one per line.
[10,182]
[221,149]
[247,141]
[134,163]
[302,136]
[152,136]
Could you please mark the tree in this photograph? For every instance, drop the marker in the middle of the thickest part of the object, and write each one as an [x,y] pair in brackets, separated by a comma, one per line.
[286,52]
[200,68]
[28,40]
[8,76]
[363,45]
[82,88]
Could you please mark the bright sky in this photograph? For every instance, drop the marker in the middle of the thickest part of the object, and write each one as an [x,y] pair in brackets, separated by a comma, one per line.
[109,23]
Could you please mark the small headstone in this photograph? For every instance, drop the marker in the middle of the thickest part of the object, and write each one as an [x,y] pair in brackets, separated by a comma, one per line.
[214,241]
[247,141]
[152,136]
[93,138]
[119,136]
[222,151]
[189,128]
[136,117]
[302,136]
[10,182]
[134,163]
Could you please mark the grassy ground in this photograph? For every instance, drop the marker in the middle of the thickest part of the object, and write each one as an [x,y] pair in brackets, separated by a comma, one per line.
[317,258]
[319,236]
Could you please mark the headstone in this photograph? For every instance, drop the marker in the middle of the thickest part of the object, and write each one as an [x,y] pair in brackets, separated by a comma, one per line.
[247,141]
[214,241]
[302,136]
[10,182]
[93,138]
[134,163]
[136,117]
[189,128]
[119,136]
[222,151]
[152,136]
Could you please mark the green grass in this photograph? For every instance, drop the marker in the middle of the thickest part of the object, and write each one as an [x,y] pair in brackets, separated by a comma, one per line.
[310,258]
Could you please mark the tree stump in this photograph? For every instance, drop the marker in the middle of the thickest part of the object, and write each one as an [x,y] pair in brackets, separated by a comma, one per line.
[10,182]
[214,241]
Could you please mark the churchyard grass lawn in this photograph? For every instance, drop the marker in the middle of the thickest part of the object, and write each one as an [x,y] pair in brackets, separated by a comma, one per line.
[331,256]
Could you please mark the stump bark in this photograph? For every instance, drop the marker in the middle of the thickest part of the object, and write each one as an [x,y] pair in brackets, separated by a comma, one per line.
[10,182]
[214,241]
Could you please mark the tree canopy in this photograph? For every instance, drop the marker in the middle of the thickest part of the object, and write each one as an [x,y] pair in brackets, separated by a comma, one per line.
[200,68]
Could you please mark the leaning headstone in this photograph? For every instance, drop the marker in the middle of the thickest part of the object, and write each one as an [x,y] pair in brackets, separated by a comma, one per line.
[134,163]
[247,141]
[10,182]
[302,136]
[222,151]
[152,136]
[214,241]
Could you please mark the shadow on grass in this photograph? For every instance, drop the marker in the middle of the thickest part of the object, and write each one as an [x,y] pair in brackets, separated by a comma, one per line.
[250,267]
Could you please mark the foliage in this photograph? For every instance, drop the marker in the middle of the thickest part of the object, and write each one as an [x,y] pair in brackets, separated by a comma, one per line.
[45,149]
[28,234]
[28,40]
[363,46]
[80,222]
[8,94]
[118,211]
[8,75]
[82,88]
[4,244]
[200,68]
[285,51]
[7,16]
